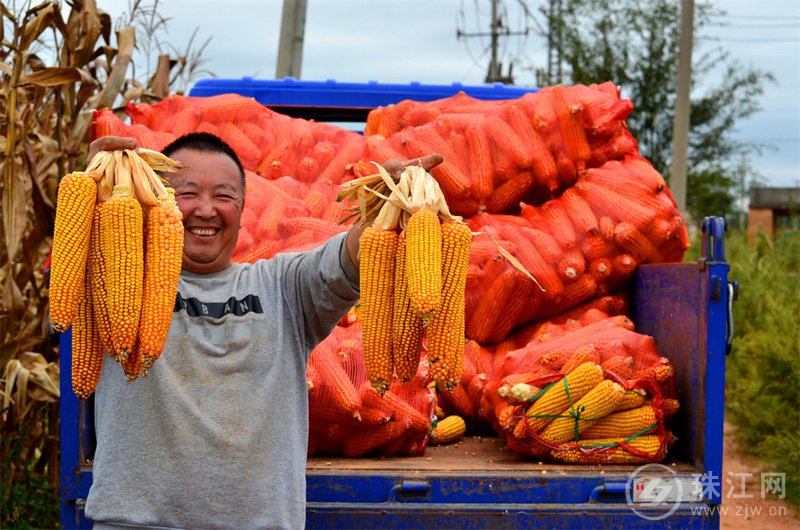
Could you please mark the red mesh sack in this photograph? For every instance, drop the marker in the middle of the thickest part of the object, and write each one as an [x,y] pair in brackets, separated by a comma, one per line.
[597,393]
[347,416]
[584,244]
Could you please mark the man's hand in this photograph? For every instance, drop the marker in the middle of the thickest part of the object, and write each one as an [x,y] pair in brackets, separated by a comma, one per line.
[427,162]
[395,168]
[110,143]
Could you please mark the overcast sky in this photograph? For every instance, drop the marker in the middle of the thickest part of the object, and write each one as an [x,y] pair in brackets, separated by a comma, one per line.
[401,41]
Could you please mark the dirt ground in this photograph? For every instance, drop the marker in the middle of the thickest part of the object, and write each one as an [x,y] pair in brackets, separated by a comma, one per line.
[739,512]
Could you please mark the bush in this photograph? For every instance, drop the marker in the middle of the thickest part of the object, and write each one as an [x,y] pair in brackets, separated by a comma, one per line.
[763,371]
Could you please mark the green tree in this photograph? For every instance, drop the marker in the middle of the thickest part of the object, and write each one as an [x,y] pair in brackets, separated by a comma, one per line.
[634,43]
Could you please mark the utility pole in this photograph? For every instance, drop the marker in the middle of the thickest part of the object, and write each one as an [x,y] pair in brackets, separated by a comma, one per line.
[498,29]
[290,46]
[680,127]
[554,24]
[743,191]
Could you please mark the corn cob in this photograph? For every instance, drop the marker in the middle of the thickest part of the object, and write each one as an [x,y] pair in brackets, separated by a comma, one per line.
[574,136]
[583,413]
[623,424]
[610,203]
[630,400]
[572,264]
[596,247]
[480,159]
[133,364]
[582,354]
[669,407]
[508,417]
[450,429]
[424,261]
[578,291]
[77,194]
[632,240]
[580,212]
[458,401]
[555,399]
[557,221]
[335,387]
[541,161]
[608,451]
[377,263]
[97,280]
[406,323]
[499,310]
[600,269]
[161,276]
[445,333]
[661,372]
[87,353]
[508,195]
[122,247]
[399,409]
[607,227]
[620,365]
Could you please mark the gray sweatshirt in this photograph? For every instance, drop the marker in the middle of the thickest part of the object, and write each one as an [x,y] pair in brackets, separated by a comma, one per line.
[216,435]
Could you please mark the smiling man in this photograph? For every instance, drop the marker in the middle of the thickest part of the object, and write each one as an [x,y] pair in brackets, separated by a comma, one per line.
[216,435]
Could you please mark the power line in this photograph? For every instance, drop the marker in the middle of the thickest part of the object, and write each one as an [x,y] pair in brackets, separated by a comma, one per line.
[749,17]
[748,26]
[719,39]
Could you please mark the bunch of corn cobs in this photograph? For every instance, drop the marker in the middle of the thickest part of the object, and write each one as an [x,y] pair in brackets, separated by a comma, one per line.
[116,262]
[413,264]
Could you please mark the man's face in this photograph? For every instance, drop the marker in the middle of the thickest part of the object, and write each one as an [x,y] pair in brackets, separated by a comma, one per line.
[209,193]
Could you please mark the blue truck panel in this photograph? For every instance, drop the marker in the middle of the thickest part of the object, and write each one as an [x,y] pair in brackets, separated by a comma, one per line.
[478,484]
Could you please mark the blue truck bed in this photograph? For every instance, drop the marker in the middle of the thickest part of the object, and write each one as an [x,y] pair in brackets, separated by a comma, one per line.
[686,307]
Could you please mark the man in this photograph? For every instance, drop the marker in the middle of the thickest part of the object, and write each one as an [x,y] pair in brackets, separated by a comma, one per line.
[216,435]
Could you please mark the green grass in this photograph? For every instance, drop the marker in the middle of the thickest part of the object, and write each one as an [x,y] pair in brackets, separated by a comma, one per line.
[763,372]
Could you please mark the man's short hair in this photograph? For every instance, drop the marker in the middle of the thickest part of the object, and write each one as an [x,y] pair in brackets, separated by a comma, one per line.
[201,141]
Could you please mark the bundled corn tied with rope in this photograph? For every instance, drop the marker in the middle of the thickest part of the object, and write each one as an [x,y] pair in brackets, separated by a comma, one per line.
[597,393]
[116,261]
[414,257]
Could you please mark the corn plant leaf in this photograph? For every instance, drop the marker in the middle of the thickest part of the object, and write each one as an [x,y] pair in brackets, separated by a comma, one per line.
[126,39]
[5,69]
[34,28]
[49,77]
[43,377]
[14,205]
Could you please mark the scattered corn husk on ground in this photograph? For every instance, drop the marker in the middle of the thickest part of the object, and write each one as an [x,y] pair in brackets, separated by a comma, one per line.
[119,248]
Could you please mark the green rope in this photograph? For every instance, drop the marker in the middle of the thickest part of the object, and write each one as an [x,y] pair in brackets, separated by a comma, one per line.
[626,440]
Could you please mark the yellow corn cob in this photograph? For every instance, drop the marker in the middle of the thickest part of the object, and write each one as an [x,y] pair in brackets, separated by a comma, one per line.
[449,430]
[623,424]
[670,407]
[377,263]
[133,365]
[555,399]
[406,323]
[87,355]
[648,444]
[598,403]
[122,247]
[445,333]
[77,194]
[161,274]
[424,261]
[630,400]
[97,280]
[520,431]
